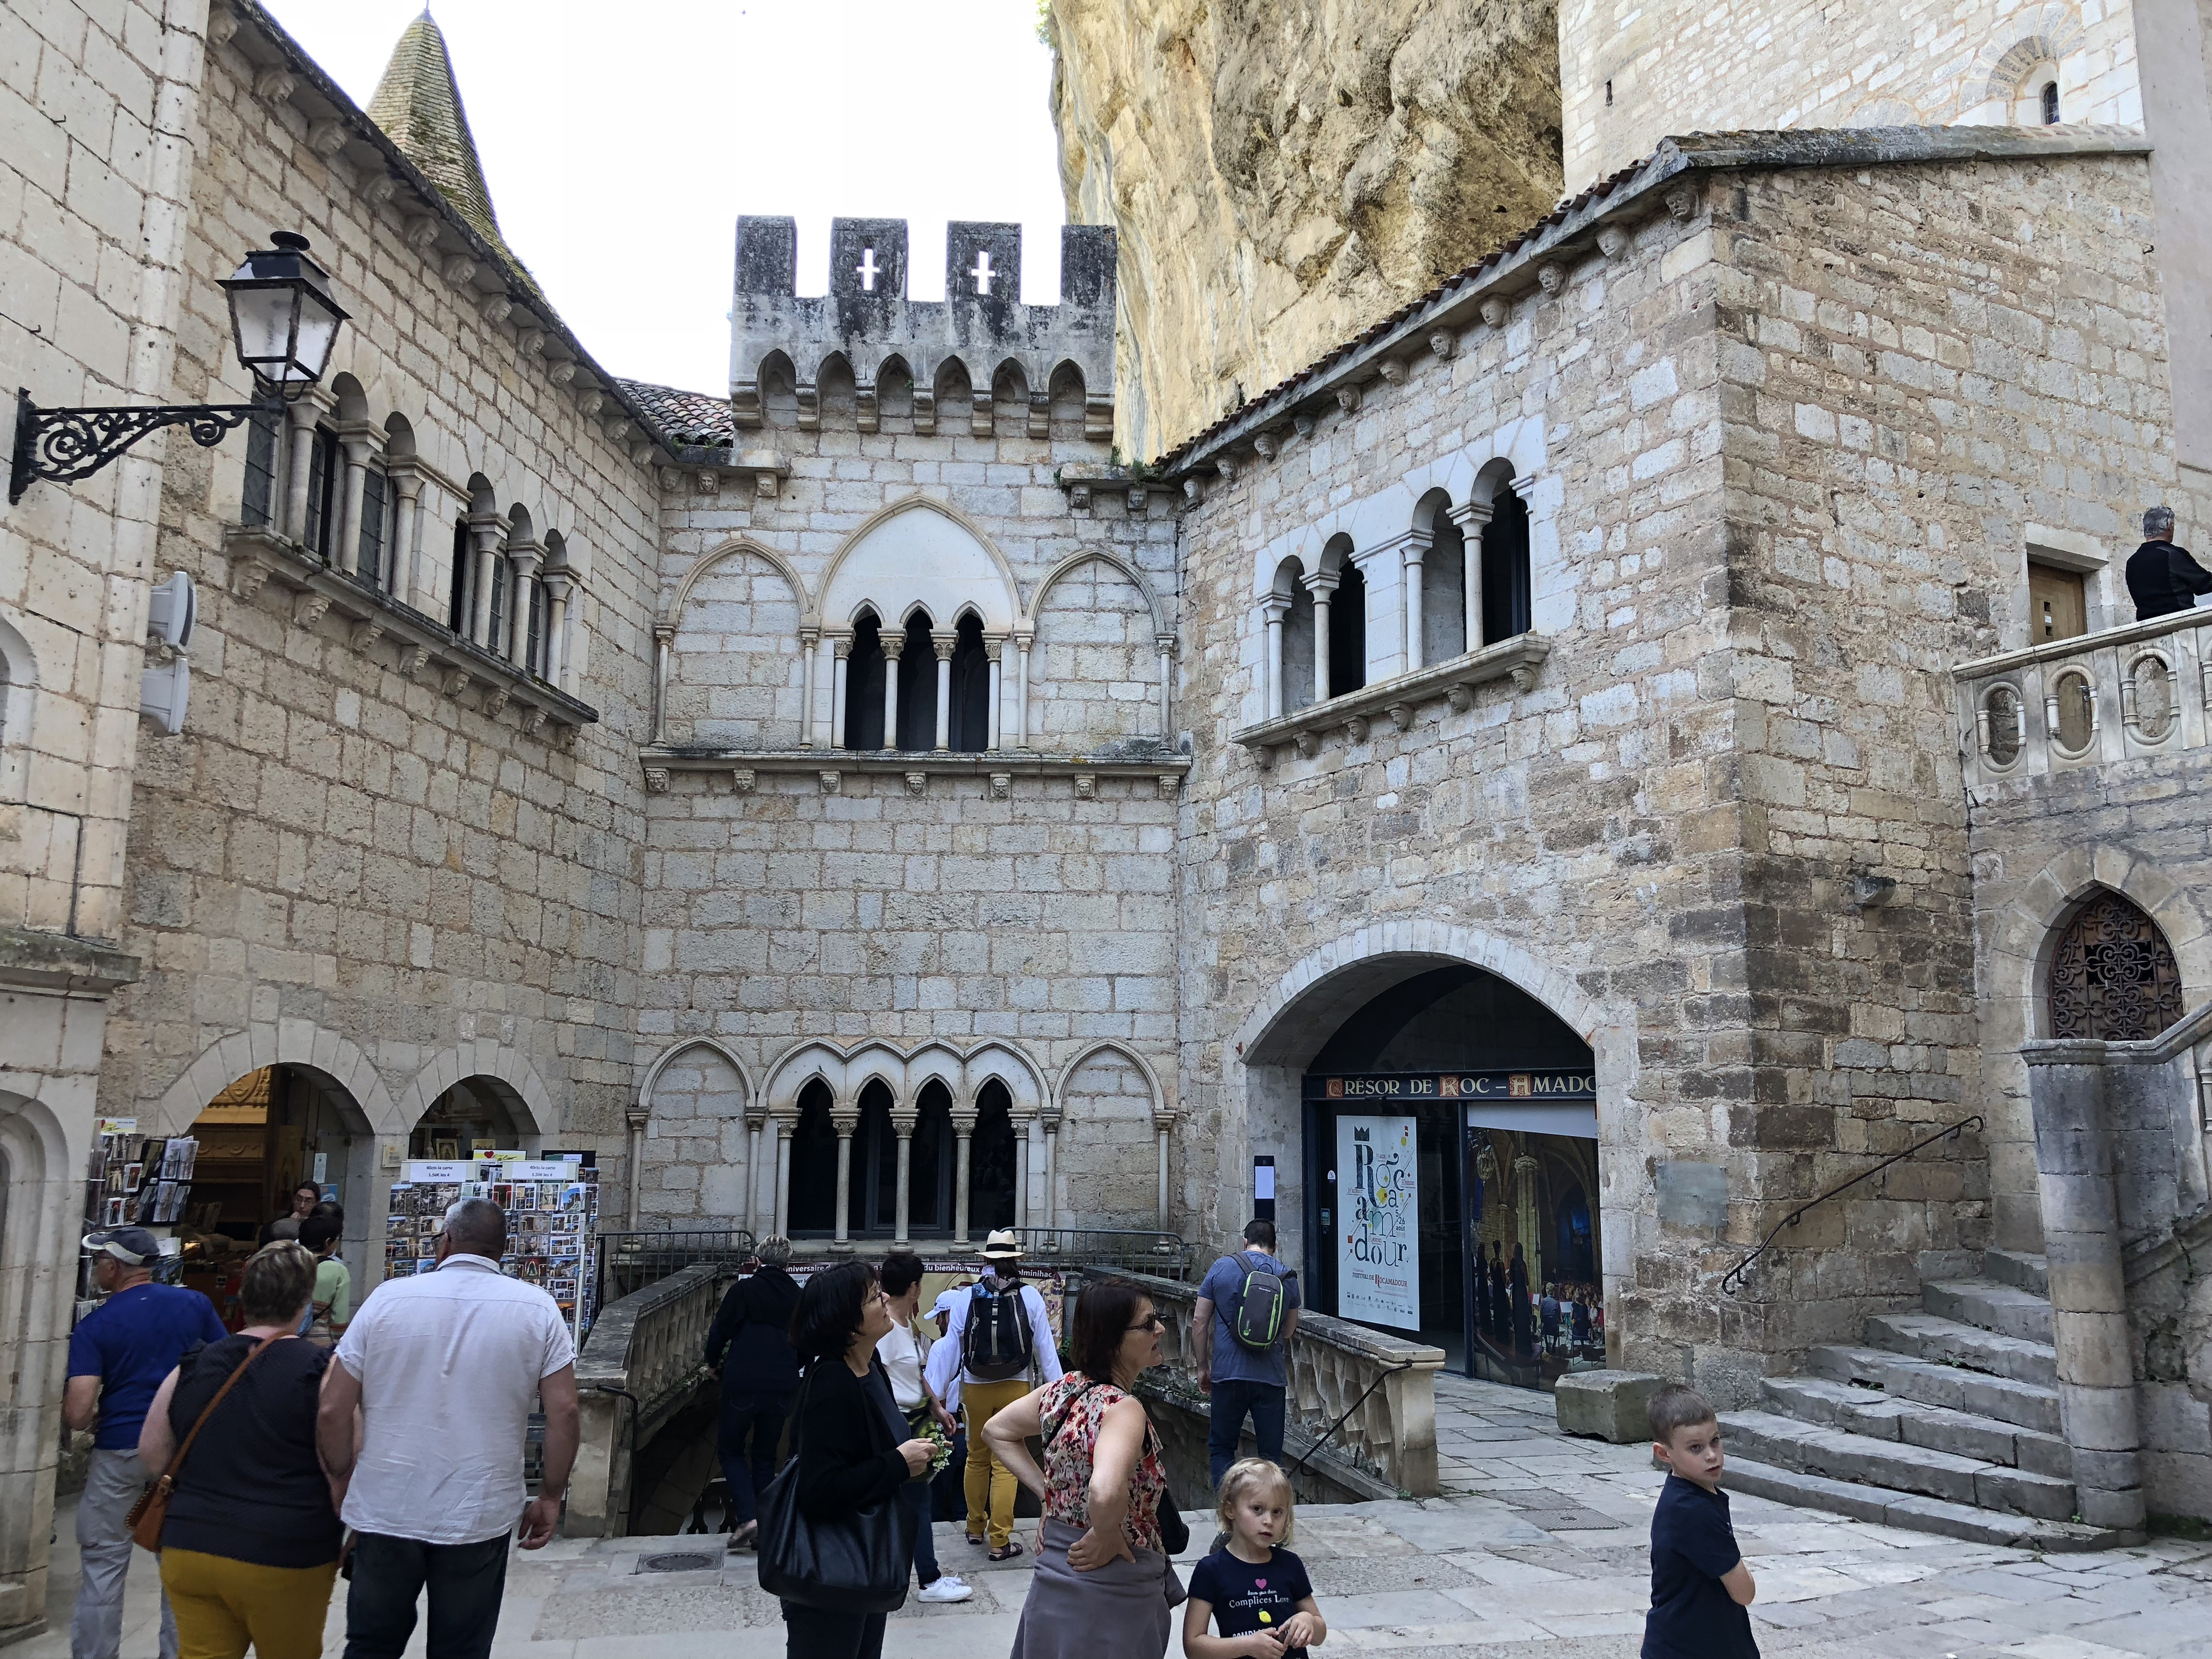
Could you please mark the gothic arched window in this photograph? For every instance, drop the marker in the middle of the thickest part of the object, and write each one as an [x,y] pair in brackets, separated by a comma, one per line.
[2113,975]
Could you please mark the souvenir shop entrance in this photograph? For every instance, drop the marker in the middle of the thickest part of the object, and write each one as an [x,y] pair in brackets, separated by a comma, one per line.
[1451,1124]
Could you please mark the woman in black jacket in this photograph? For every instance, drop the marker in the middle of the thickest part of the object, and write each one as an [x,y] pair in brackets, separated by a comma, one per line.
[852,1441]
[749,1349]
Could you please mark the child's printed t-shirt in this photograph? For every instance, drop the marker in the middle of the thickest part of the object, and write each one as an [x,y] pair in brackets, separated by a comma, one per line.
[1246,1597]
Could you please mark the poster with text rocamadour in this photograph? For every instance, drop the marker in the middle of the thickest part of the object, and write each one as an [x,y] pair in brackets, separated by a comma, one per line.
[1378,1269]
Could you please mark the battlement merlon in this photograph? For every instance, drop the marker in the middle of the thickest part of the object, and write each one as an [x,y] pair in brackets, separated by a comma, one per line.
[954,348]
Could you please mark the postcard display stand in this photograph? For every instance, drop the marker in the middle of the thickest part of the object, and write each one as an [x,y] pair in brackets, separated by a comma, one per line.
[552,1221]
[137,1180]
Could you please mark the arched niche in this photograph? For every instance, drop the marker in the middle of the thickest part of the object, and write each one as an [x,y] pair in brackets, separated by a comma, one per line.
[921,552]
[2111,974]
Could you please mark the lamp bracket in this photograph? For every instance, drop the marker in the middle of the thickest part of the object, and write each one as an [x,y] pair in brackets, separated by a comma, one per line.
[64,445]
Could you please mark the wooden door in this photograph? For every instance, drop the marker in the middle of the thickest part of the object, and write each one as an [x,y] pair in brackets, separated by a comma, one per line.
[2058,604]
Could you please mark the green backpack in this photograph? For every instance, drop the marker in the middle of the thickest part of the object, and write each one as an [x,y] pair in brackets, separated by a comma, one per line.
[1257,1320]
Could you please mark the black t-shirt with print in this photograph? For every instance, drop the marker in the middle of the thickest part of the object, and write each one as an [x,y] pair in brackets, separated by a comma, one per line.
[1246,1597]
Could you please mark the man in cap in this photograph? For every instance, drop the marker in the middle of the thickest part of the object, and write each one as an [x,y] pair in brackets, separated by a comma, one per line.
[117,1355]
[999,1346]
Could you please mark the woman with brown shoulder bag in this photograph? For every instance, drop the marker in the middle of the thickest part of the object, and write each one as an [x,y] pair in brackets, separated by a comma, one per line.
[251,1536]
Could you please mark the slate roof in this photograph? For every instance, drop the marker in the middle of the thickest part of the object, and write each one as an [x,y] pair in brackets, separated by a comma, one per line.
[685,417]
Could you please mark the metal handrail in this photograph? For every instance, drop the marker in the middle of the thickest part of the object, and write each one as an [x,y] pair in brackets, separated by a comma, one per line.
[1732,1280]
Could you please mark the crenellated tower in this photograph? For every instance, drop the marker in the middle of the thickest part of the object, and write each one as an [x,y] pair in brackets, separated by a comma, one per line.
[971,351]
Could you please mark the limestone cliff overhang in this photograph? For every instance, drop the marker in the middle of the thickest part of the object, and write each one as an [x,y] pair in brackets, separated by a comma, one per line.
[450,247]
[62,965]
[1663,182]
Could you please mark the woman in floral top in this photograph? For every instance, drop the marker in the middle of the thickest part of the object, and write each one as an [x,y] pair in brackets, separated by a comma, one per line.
[1102,1587]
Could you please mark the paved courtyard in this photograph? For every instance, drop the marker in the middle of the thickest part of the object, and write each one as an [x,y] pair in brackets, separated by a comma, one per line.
[1537,1548]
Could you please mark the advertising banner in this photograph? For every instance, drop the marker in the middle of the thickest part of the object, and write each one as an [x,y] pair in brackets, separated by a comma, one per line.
[1378,1276]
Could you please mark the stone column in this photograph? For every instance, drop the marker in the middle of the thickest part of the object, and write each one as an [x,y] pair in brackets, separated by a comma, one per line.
[779,1133]
[1051,1171]
[1471,519]
[1415,550]
[485,531]
[753,1172]
[1163,647]
[964,1128]
[663,639]
[406,529]
[2068,1086]
[894,644]
[809,641]
[943,649]
[300,455]
[1322,585]
[523,559]
[1276,610]
[557,585]
[1022,1172]
[993,648]
[845,1116]
[902,1122]
[1022,691]
[356,445]
[841,687]
[1161,1125]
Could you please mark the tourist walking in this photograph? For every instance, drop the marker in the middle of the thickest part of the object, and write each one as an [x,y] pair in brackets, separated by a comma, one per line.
[331,1309]
[442,1369]
[903,1352]
[117,1356]
[998,1346]
[1103,1586]
[748,1347]
[1241,1331]
[852,1445]
[2162,578]
[250,1543]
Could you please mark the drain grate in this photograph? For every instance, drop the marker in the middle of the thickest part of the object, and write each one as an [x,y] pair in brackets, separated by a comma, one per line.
[677,1561]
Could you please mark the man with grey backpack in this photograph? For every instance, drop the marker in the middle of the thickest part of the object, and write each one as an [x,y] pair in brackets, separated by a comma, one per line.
[1248,1309]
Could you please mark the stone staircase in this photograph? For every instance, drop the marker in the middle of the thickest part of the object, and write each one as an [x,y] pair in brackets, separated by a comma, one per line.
[1946,1420]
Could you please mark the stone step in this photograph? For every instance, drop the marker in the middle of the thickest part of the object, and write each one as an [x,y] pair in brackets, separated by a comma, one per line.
[2005,1308]
[2018,1269]
[1766,1437]
[1947,1342]
[1919,1514]
[2030,1405]
[1861,1410]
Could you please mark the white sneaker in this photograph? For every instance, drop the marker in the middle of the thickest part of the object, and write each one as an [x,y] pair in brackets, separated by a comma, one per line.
[947,1589]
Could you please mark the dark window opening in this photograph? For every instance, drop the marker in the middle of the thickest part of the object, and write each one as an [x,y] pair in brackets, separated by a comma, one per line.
[813,1200]
[533,650]
[1347,633]
[872,1198]
[376,541]
[863,686]
[1608,95]
[971,688]
[2051,103]
[322,489]
[496,638]
[929,1167]
[258,497]
[457,612]
[991,1161]
[917,687]
[1505,569]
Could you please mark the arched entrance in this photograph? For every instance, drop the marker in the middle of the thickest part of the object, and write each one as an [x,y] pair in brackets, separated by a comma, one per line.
[477,1115]
[1448,1128]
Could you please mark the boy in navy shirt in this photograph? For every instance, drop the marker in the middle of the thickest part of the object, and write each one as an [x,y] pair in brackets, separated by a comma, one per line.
[1700,1585]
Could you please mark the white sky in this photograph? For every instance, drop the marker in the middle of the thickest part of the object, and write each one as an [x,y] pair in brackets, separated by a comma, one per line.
[622,141]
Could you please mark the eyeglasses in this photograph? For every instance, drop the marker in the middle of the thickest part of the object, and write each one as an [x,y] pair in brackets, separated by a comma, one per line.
[1155,1323]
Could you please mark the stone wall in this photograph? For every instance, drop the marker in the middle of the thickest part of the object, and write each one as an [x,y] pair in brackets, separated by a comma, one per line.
[1631,74]
[1777,487]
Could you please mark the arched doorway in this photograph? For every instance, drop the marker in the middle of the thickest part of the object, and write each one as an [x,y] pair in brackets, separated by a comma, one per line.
[1450,1125]
[477,1115]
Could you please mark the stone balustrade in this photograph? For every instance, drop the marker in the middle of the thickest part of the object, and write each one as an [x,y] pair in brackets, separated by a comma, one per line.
[1391,1437]
[643,1362]
[2125,693]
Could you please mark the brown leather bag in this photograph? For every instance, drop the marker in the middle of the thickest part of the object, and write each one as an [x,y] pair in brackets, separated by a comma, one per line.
[152,1509]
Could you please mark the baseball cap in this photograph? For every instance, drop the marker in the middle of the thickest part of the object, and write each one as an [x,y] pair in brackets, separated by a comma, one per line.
[134,1245]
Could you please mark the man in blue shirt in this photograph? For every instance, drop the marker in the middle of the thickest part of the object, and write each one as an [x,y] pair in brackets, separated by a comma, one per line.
[1241,1378]
[118,1354]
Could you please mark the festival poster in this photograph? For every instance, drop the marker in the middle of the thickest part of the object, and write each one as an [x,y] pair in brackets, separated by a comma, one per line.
[1378,1273]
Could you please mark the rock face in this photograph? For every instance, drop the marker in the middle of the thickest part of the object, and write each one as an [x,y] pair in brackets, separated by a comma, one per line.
[1284,173]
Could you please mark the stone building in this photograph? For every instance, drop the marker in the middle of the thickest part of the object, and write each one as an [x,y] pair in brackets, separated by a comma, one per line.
[1581,769]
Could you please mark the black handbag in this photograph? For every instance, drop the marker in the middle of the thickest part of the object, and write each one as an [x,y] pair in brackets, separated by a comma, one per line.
[859,1562]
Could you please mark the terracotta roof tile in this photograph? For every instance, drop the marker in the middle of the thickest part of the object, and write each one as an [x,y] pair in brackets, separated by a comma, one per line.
[684,418]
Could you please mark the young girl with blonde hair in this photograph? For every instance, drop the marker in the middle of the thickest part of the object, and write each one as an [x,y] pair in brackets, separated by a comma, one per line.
[1255,1590]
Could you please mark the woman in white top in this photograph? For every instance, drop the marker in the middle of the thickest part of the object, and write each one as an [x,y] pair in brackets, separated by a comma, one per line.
[902,1351]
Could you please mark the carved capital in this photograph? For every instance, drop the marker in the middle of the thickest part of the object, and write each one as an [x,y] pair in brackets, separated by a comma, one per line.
[845,1117]
[904,1121]
[656,780]
[944,647]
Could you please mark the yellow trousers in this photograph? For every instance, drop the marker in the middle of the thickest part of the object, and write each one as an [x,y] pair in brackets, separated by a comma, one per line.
[990,1483]
[222,1605]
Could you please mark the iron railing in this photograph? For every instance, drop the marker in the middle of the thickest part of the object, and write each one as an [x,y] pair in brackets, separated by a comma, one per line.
[1164,1255]
[631,1262]
[1732,1280]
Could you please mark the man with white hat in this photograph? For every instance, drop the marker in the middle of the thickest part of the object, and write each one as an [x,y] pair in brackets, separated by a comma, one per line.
[1000,1346]
[118,1355]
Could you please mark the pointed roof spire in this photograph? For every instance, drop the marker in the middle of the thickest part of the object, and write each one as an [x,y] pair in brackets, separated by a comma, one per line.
[418,105]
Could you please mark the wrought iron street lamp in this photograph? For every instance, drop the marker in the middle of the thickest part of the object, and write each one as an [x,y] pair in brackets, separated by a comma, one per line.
[284,323]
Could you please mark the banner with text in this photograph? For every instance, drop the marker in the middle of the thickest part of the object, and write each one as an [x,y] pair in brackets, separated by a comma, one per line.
[1378,1274]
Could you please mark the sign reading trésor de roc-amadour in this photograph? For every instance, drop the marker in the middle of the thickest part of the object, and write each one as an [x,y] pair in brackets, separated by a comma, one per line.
[1391,1087]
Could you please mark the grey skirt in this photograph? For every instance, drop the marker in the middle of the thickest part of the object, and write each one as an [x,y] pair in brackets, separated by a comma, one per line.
[1119,1611]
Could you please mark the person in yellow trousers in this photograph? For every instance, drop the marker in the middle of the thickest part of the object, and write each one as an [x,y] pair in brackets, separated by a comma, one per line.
[998,1346]
[250,1546]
